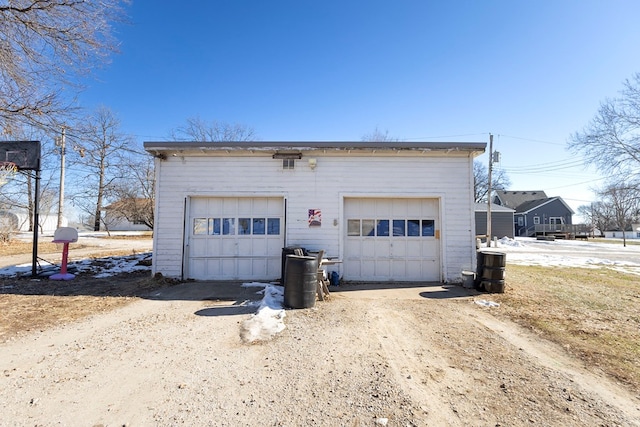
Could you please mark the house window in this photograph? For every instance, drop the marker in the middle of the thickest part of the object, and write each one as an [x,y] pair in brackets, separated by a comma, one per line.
[288,163]
[520,221]
[536,220]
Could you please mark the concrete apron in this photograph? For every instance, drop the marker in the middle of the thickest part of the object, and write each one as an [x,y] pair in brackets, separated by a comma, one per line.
[234,293]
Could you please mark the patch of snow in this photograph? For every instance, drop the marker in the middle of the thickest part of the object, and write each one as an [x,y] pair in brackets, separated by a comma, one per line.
[103,267]
[486,303]
[268,320]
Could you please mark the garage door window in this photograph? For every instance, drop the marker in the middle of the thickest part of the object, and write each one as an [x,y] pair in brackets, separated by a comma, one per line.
[228,226]
[400,227]
[200,226]
[258,225]
[245,226]
[273,226]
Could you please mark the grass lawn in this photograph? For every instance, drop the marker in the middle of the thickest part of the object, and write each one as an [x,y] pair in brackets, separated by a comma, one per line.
[593,313]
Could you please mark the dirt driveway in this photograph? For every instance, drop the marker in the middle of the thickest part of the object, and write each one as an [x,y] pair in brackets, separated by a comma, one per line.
[411,356]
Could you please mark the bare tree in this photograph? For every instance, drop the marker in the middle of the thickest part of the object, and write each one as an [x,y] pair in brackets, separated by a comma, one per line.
[100,149]
[500,181]
[379,136]
[611,140]
[598,216]
[622,199]
[47,47]
[135,190]
[197,129]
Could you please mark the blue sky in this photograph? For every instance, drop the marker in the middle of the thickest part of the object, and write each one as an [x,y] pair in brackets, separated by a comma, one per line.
[529,72]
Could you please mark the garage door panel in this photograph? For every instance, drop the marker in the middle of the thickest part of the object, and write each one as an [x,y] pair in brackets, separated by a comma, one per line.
[368,249]
[382,268]
[399,269]
[399,250]
[246,247]
[200,245]
[414,246]
[382,249]
[430,248]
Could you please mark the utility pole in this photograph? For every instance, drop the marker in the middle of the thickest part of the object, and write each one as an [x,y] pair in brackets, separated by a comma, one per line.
[489,191]
[61,143]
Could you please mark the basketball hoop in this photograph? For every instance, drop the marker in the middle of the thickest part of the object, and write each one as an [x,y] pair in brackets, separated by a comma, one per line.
[7,171]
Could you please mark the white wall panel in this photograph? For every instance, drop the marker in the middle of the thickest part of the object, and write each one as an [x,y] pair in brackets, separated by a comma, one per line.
[337,175]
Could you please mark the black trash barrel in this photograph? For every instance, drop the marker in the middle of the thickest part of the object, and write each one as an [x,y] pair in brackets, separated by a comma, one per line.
[300,281]
[290,250]
[493,269]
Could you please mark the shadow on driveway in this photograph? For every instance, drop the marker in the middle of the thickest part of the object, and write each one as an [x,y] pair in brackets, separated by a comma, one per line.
[402,290]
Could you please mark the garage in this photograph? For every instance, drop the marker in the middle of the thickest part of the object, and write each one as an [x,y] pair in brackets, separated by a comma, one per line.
[385,211]
[234,238]
[392,239]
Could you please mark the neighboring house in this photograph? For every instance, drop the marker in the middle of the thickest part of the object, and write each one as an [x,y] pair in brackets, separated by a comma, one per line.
[19,221]
[633,233]
[501,220]
[535,213]
[135,209]
[513,199]
[392,211]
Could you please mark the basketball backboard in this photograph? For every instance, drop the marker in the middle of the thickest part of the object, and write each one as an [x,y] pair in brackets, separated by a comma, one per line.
[25,154]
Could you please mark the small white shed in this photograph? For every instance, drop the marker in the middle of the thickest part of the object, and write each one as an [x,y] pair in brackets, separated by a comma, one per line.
[392,211]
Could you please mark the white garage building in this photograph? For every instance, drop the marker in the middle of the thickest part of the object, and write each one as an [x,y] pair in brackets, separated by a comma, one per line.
[392,211]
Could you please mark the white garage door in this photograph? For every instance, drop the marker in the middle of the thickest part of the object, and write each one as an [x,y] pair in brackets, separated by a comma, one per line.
[392,239]
[235,238]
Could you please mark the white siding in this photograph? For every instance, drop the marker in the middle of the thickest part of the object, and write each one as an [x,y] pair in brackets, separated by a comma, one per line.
[336,176]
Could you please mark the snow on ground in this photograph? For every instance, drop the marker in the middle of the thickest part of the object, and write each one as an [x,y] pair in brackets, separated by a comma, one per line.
[102,267]
[571,253]
[268,320]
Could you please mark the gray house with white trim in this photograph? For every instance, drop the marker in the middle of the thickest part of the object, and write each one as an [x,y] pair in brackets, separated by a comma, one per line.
[534,208]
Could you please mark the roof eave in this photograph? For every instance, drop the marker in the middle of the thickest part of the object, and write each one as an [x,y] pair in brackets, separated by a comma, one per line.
[156,147]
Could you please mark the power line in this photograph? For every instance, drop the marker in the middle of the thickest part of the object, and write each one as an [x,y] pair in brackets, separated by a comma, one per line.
[579,183]
[532,140]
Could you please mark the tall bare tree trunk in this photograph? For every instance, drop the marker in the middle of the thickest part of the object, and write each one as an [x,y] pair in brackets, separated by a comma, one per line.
[98,214]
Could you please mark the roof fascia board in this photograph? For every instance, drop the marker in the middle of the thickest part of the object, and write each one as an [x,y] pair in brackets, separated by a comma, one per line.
[475,147]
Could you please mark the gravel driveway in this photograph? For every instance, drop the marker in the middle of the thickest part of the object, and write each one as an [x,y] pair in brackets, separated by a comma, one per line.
[370,356]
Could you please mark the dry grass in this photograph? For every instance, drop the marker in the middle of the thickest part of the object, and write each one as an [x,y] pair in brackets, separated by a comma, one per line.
[36,304]
[593,313]
[16,247]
